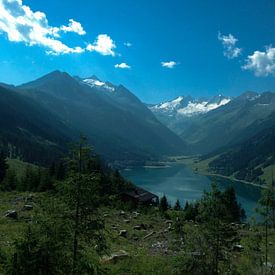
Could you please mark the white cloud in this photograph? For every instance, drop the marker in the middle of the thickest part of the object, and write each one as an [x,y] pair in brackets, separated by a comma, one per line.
[128,44]
[73,26]
[123,66]
[103,45]
[229,45]
[261,63]
[169,64]
[21,24]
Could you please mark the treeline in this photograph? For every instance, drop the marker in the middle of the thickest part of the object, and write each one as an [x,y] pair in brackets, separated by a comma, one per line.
[40,179]
[232,210]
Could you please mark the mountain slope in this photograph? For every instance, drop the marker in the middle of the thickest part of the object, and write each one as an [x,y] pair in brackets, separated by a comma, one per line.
[230,120]
[28,130]
[118,125]
[248,160]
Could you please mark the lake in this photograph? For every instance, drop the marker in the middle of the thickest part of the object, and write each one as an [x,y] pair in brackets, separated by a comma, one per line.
[178,181]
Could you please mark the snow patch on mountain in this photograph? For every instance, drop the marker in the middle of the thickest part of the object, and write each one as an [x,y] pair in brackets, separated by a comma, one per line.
[170,105]
[96,83]
[187,106]
[194,108]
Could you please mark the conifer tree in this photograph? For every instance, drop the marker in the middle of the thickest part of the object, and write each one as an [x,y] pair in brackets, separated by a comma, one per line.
[3,166]
[80,192]
[177,206]
[163,204]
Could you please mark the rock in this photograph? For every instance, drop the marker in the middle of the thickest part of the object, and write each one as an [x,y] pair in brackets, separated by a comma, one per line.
[238,248]
[137,227]
[30,198]
[168,222]
[135,238]
[123,233]
[116,256]
[11,214]
[122,213]
[135,214]
[126,221]
[114,227]
[27,207]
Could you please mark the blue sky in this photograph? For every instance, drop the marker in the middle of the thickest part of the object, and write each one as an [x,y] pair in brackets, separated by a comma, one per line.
[159,49]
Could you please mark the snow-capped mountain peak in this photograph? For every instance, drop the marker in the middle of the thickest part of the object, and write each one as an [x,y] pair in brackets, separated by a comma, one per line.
[94,82]
[188,106]
[169,105]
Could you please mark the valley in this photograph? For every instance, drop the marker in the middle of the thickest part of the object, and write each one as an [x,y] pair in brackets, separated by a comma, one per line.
[189,153]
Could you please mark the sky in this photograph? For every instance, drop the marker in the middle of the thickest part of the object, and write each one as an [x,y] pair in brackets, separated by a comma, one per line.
[158,49]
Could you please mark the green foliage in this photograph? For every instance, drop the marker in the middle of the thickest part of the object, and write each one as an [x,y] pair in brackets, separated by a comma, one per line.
[177,205]
[191,211]
[163,204]
[3,166]
[80,191]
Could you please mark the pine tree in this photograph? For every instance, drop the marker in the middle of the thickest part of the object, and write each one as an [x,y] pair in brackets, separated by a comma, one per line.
[3,166]
[267,211]
[80,191]
[216,229]
[163,205]
[177,206]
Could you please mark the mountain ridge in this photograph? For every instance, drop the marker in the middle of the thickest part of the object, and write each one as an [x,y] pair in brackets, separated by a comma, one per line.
[118,124]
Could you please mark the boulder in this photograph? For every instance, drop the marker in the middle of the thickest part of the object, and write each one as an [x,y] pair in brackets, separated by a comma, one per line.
[29,198]
[123,233]
[27,207]
[11,214]
[137,227]
[238,248]
[116,256]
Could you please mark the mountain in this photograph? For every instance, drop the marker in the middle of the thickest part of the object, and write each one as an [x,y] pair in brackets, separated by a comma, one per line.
[188,106]
[222,122]
[28,130]
[250,159]
[179,113]
[118,124]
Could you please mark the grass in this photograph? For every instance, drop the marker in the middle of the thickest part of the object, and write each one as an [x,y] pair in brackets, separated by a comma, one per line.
[145,256]
[20,167]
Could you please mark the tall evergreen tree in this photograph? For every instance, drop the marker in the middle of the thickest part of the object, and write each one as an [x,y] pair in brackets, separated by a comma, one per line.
[177,205]
[3,166]
[163,204]
[80,191]
[216,229]
[267,210]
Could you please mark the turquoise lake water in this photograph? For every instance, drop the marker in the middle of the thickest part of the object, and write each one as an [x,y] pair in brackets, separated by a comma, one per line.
[180,182]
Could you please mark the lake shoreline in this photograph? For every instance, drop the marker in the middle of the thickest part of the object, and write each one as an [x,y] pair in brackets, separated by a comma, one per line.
[190,162]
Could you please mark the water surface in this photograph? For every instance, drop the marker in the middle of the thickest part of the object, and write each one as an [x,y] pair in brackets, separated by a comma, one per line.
[178,181]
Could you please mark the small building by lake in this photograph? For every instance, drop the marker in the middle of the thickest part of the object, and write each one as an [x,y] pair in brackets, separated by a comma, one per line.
[137,195]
